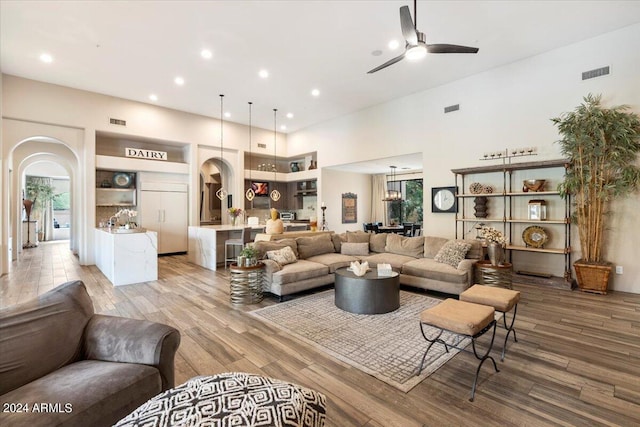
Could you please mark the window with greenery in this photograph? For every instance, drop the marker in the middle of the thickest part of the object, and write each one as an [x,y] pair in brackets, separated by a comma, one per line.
[410,209]
[61,202]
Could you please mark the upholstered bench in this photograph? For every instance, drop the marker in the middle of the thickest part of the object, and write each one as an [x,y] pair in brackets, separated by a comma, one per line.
[463,318]
[502,300]
[232,399]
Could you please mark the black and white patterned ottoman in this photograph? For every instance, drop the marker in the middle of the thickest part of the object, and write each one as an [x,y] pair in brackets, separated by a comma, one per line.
[231,399]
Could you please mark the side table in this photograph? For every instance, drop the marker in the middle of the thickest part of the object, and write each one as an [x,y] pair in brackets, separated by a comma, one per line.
[246,284]
[494,275]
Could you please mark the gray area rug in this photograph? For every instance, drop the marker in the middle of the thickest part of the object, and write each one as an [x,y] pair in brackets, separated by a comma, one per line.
[388,346]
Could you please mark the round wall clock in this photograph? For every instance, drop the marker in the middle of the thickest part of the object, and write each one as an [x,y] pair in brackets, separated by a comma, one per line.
[535,236]
[121,180]
[443,199]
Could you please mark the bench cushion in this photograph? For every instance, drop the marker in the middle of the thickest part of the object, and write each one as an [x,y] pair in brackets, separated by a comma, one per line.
[499,298]
[458,316]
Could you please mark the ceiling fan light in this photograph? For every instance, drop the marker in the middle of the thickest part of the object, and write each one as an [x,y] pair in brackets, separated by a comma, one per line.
[416,52]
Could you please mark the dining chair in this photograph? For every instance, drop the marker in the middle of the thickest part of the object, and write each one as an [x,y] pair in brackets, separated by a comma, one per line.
[408,229]
[245,238]
[416,230]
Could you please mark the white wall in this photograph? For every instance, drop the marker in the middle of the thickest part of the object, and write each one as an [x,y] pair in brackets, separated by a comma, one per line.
[506,107]
[336,183]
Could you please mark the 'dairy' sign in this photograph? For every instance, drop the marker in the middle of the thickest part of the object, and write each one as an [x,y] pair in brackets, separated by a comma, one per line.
[145,154]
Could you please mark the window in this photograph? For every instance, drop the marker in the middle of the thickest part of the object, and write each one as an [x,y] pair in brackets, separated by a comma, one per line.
[409,209]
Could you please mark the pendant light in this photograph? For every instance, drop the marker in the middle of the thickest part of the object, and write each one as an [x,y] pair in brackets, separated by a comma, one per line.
[275,194]
[392,195]
[221,193]
[250,194]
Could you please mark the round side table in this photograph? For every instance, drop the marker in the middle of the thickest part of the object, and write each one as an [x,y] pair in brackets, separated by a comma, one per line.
[246,284]
[494,275]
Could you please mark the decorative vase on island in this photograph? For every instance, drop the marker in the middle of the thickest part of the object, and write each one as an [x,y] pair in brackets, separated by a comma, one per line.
[496,253]
[294,167]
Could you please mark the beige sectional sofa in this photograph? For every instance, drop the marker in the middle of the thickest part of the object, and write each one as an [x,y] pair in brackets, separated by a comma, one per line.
[417,259]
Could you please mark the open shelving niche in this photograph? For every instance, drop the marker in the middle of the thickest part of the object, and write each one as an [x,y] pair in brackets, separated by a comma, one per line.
[508,213]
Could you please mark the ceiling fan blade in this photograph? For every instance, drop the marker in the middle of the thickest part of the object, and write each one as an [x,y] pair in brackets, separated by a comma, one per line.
[386,64]
[450,48]
[408,29]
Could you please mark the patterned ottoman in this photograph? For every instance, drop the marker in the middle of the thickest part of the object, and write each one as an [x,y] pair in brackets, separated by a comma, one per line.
[231,399]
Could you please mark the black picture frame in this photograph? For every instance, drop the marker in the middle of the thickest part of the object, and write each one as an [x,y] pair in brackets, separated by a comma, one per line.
[437,193]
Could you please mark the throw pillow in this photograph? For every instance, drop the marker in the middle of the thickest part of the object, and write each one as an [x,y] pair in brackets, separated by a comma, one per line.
[361,249]
[317,245]
[377,242]
[452,252]
[264,246]
[410,246]
[282,256]
[432,245]
[358,237]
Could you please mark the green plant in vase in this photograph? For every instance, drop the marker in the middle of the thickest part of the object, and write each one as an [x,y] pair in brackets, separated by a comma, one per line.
[602,146]
[250,254]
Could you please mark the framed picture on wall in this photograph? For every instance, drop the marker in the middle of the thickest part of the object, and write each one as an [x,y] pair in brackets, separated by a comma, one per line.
[349,208]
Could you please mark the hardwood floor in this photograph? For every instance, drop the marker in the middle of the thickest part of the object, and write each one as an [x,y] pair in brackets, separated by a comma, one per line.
[577,361]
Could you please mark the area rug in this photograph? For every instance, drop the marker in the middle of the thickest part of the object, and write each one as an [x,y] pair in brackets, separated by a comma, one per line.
[387,346]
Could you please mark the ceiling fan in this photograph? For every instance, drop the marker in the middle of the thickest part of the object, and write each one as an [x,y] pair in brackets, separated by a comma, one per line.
[416,47]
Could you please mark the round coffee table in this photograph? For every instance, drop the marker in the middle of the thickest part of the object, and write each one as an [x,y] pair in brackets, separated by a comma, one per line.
[368,294]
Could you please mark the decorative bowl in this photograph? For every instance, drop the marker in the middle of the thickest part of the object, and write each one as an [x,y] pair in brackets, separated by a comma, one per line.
[533,184]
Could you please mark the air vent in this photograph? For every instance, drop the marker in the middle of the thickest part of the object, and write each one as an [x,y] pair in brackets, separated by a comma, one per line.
[118,122]
[595,73]
[451,108]
[262,145]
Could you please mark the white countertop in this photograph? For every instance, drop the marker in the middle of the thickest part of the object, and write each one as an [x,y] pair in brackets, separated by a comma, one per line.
[228,227]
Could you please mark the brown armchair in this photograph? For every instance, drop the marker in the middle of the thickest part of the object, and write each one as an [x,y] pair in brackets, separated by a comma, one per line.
[62,364]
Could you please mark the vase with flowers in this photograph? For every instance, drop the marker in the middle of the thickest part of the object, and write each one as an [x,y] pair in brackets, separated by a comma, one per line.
[234,213]
[126,218]
[496,243]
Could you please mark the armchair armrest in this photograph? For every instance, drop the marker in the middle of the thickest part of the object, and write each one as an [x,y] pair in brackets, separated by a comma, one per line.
[119,339]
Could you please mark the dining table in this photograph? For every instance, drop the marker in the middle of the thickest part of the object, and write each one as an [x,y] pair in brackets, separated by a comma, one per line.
[391,229]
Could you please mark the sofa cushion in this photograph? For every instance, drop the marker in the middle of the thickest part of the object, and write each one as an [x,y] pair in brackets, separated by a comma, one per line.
[51,325]
[264,246]
[432,245]
[316,245]
[377,242]
[301,270]
[100,393]
[358,237]
[395,260]
[334,261]
[475,252]
[401,245]
[282,256]
[356,249]
[338,240]
[431,269]
[452,252]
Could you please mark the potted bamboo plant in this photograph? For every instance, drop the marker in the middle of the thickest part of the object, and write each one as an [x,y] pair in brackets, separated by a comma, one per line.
[602,146]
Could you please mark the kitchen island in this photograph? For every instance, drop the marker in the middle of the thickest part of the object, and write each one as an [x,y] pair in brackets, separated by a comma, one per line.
[127,256]
[206,243]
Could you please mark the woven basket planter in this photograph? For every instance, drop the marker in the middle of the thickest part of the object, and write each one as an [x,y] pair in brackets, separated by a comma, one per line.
[592,277]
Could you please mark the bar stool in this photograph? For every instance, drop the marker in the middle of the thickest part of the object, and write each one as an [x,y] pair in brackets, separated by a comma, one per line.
[243,240]
[464,318]
[502,300]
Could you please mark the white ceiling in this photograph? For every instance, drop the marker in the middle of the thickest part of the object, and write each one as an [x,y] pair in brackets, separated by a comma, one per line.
[131,49]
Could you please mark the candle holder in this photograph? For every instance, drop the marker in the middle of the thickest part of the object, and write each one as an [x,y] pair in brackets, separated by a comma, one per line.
[325,226]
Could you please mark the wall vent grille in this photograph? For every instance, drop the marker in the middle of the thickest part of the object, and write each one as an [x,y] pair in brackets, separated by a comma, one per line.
[118,122]
[262,145]
[595,73]
[451,108]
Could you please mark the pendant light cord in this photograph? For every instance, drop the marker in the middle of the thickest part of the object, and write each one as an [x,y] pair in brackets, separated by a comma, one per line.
[221,137]
[250,154]
[275,167]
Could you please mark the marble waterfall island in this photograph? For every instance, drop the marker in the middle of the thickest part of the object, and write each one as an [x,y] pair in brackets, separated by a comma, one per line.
[127,257]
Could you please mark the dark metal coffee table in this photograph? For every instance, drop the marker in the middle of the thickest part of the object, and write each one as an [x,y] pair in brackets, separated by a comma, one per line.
[368,294]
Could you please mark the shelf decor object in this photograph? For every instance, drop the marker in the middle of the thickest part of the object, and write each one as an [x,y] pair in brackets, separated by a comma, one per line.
[480,206]
[535,236]
[275,194]
[221,193]
[537,210]
[602,145]
[250,194]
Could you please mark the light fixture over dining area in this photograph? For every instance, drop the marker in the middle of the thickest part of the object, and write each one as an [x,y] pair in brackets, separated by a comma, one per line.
[392,195]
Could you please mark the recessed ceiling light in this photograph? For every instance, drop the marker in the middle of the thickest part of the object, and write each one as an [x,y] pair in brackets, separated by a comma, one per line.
[394,44]
[315,92]
[283,127]
[227,114]
[153,97]
[179,81]
[206,53]
[263,73]
[46,58]
[289,115]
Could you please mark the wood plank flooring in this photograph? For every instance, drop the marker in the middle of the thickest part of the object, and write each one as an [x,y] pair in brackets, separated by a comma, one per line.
[577,361]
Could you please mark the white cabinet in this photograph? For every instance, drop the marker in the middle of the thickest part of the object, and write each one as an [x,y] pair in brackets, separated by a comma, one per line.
[164,208]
